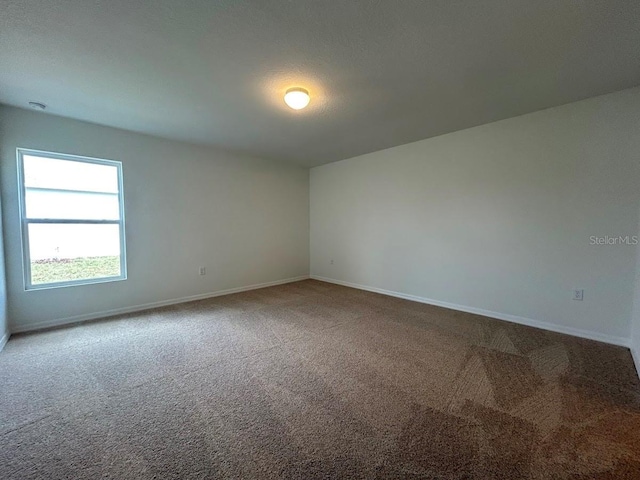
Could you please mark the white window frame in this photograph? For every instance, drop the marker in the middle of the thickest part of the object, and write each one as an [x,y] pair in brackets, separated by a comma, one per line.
[26,260]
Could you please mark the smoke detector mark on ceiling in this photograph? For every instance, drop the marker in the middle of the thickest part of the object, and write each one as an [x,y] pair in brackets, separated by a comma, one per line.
[37,105]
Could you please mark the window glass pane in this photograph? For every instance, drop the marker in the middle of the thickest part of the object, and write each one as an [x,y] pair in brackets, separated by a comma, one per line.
[63,252]
[71,205]
[44,172]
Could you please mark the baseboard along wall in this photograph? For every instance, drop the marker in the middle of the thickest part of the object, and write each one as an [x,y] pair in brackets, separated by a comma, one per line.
[57,322]
[597,336]
[636,359]
[600,337]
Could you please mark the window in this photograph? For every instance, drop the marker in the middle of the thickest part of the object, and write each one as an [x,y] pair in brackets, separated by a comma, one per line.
[72,216]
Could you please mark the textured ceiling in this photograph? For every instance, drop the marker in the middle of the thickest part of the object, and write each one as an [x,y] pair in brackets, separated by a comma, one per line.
[381,73]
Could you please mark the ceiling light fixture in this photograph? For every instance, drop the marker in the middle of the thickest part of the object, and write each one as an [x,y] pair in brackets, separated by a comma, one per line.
[37,105]
[297,98]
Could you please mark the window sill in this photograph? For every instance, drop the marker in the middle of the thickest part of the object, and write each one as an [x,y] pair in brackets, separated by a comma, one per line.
[74,283]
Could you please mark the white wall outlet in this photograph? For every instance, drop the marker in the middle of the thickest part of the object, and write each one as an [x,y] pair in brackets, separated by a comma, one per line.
[202,270]
[578,295]
[331,262]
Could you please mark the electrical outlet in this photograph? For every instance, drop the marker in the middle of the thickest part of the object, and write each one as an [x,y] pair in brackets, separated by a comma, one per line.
[331,262]
[578,295]
[203,271]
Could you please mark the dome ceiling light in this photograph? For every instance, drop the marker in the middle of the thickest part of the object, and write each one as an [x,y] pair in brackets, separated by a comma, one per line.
[297,98]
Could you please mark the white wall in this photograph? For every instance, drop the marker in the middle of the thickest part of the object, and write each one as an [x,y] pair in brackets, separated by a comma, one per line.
[496,218]
[245,219]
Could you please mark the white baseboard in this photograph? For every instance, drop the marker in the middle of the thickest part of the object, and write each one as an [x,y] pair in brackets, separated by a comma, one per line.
[636,358]
[600,337]
[4,340]
[57,322]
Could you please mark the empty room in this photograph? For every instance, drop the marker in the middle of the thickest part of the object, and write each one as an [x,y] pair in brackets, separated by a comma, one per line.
[312,239]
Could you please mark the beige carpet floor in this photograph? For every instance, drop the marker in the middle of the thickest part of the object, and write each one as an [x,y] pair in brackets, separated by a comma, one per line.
[311,380]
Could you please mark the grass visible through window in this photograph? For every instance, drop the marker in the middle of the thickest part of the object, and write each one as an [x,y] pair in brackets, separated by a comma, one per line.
[69,269]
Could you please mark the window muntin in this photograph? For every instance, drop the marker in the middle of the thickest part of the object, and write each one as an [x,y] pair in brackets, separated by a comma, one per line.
[72,218]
